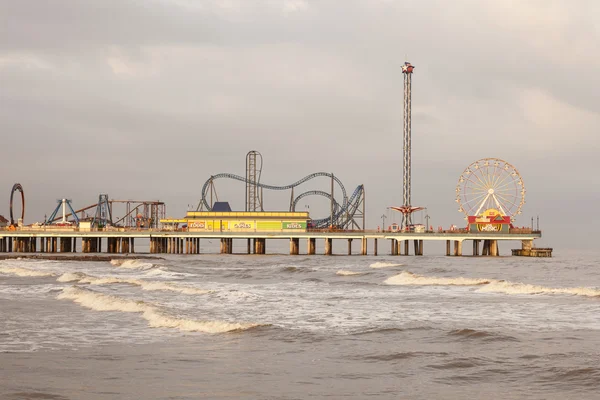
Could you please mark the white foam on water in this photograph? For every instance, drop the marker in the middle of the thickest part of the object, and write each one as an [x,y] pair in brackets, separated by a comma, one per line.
[236,295]
[349,273]
[489,285]
[408,278]
[160,271]
[24,272]
[145,285]
[132,264]
[71,277]
[27,290]
[524,288]
[156,317]
[171,287]
[384,265]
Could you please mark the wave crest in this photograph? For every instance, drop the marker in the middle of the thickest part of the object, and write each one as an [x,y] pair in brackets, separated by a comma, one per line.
[349,273]
[80,277]
[408,278]
[19,271]
[156,317]
[131,264]
[384,265]
[489,285]
[524,288]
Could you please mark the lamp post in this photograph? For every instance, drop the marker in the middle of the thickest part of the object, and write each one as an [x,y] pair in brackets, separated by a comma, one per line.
[426,221]
[383,217]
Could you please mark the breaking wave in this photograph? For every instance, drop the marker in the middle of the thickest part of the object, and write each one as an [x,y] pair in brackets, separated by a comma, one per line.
[408,278]
[80,277]
[349,273]
[156,317]
[384,265]
[489,285]
[235,295]
[523,288]
[132,264]
[18,271]
[162,271]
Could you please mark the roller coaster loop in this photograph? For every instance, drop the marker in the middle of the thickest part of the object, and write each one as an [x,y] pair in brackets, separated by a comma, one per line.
[204,203]
[342,213]
[17,186]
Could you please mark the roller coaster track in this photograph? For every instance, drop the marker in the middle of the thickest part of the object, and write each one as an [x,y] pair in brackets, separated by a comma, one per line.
[17,187]
[341,214]
[353,204]
[339,210]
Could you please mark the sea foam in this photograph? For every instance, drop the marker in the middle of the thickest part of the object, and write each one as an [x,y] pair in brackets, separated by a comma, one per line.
[384,265]
[19,271]
[524,288]
[408,278]
[80,277]
[131,264]
[489,285]
[156,317]
[349,273]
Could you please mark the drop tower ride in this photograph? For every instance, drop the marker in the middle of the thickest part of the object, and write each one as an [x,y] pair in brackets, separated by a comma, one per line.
[407,70]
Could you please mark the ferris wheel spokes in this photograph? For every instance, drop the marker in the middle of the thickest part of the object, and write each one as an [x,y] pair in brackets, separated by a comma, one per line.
[490,184]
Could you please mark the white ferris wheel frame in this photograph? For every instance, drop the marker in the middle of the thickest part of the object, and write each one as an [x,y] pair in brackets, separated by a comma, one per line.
[501,184]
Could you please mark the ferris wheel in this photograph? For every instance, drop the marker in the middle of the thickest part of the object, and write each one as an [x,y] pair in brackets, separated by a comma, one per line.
[490,183]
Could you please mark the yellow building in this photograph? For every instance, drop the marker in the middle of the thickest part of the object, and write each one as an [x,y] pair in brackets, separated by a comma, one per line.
[242,221]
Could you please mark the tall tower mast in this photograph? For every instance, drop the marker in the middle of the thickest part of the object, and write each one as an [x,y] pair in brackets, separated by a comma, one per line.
[407,70]
[253,172]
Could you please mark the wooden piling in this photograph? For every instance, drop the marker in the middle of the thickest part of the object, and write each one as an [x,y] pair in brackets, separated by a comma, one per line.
[328,246]
[312,246]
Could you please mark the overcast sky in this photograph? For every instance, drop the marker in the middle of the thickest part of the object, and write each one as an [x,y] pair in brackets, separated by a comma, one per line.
[147,99]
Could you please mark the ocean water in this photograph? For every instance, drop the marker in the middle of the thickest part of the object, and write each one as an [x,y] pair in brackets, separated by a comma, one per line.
[301,327]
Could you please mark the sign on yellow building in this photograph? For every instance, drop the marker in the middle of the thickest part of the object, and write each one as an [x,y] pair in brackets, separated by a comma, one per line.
[242,225]
[294,225]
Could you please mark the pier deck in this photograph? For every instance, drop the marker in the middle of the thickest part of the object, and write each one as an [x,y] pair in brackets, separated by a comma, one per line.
[185,242]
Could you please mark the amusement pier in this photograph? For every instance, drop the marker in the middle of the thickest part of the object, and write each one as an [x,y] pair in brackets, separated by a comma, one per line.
[122,240]
[490,193]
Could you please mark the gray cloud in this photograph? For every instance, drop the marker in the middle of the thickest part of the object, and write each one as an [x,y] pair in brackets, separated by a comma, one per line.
[148,99]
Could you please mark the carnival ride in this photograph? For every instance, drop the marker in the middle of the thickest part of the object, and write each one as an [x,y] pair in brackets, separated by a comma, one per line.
[344,214]
[137,213]
[17,187]
[490,184]
[64,204]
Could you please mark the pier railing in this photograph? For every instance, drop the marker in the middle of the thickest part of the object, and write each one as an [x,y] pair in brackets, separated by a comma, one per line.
[50,229]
